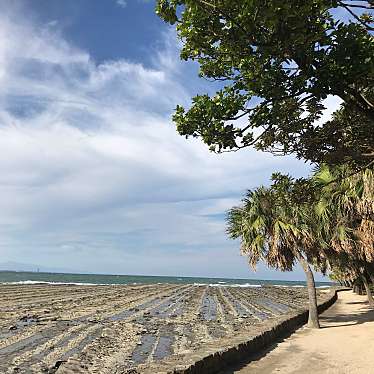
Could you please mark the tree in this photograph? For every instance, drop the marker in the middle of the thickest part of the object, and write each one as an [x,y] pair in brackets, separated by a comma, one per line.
[276,61]
[273,226]
[347,137]
[345,209]
[348,269]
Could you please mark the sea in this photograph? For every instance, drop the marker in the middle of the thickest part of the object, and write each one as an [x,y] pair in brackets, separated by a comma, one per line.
[23,277]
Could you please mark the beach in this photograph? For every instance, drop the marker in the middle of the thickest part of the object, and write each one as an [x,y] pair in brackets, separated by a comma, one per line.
[69,328]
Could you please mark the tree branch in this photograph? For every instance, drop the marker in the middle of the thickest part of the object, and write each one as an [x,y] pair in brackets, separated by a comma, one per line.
[358,6]
[346,7]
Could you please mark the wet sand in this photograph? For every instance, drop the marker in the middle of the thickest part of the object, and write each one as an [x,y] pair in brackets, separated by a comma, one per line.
[129,329]
[344,344]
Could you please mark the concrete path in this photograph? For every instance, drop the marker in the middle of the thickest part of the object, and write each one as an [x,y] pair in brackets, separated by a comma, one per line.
[344,344]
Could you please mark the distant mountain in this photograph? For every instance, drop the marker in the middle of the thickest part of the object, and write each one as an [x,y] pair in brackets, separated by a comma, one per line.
[17,266]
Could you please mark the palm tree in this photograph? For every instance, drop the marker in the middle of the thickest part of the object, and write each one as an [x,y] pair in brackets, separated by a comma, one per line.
[272,225]
[346,213]
[347,268]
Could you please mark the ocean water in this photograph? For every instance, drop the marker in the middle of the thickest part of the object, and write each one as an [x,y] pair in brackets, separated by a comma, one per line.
[20,277]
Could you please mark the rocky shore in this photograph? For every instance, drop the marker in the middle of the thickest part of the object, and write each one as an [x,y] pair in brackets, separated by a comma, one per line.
[131,329]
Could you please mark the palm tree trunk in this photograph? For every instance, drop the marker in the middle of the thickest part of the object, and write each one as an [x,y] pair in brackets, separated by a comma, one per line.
[357,287]
[313,320]
[360,289]
[368,291]
[372,279]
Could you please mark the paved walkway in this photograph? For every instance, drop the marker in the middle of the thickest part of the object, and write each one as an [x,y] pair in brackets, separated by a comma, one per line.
[344,344]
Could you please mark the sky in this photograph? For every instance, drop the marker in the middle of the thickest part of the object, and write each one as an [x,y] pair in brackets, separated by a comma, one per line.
[93,176]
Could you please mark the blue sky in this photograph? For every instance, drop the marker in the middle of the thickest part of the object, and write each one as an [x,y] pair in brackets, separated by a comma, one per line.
[109,30]
[93,176]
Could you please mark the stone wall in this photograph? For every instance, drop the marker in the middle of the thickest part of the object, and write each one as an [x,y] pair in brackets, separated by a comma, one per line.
[217,361]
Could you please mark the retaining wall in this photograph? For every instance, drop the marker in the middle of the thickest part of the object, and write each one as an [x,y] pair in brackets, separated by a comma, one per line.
[217,361]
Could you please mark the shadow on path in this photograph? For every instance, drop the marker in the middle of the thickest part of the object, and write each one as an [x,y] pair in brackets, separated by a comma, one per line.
[357,302]
[255,357]
[332,318]
[351,319]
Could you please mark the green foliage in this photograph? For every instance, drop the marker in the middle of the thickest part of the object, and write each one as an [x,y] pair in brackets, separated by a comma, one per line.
[345,209]
[347,138]
[274,224]
[329,219]
[277,61]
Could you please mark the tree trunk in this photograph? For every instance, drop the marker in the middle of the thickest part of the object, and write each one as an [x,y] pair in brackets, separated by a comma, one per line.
[361,290]
[372,279]
[368,291]
[313,320]
[355,288]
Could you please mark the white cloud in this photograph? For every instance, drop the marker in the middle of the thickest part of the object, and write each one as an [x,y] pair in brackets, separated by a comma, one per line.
[122,3]
[93,175]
